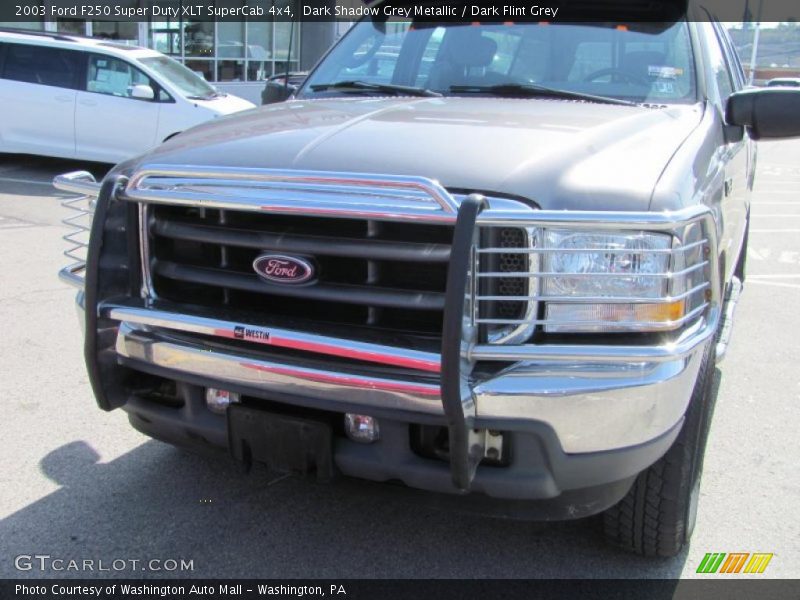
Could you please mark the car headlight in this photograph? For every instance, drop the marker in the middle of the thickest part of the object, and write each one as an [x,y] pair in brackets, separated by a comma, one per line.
[609,282]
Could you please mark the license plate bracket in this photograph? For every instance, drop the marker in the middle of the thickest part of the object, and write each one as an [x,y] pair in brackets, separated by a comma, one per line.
[282,442]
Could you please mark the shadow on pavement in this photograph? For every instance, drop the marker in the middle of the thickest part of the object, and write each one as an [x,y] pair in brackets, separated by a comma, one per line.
[159,502]
[26,175]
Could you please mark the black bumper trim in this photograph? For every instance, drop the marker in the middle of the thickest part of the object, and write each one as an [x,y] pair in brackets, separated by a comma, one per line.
[539,471]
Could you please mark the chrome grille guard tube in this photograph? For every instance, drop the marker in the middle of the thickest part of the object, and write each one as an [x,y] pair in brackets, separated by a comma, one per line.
[324,194]
[84,184]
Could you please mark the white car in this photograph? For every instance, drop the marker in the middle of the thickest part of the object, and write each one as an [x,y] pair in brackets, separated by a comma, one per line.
[96,100]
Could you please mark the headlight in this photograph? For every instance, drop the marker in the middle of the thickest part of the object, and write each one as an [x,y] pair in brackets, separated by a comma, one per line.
[601,282]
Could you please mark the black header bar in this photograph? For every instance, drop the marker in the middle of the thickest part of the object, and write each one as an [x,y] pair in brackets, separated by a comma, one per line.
[387,589]
[17,11]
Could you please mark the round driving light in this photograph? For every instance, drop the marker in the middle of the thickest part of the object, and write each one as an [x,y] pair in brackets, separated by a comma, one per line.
[217,401]
[361,428]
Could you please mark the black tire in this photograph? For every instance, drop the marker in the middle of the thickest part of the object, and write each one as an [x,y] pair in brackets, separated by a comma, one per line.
[657,516]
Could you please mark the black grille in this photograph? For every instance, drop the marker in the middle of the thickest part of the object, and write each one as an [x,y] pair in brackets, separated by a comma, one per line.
[381,276]
[512,262]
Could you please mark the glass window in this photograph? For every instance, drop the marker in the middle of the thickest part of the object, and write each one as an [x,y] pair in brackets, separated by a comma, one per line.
[719,67]
[507,41]
[189,83]
[198,38]
[230,70]
[117,31]
[635,61]
[259,40]
[42,65]
[731,58]
[71,26]
[259,50]
[532,60]
[228,50]
[283,32]
[590,58]
[114,77]
[258,70]
[374,58]
[165,37]
[202,68]
[33,25]
[429,55]
[230,39]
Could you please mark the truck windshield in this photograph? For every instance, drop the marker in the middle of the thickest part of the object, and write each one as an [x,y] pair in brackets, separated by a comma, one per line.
[634,62]
[188,82]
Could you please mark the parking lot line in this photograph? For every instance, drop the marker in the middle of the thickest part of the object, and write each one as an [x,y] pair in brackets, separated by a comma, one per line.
[26,181]
[12,223]
[795,286]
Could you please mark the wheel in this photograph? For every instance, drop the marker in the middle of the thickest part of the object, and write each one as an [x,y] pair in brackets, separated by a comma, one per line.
[657,516]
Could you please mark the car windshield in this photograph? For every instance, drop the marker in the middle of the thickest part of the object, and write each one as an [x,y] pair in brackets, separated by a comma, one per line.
[638,62]
[187,82]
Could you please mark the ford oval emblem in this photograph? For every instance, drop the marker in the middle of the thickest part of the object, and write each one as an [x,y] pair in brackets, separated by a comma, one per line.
[279,268]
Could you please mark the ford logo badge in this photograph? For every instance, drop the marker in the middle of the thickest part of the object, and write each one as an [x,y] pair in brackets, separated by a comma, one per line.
[278,268]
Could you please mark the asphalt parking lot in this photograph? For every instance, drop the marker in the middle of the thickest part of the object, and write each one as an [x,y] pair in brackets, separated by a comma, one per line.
[80,484]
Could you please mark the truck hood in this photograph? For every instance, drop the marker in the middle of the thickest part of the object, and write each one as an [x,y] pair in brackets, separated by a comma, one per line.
[559,154]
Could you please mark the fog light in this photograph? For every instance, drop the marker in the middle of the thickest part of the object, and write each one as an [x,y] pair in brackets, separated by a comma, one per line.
[361,428]
[218,401]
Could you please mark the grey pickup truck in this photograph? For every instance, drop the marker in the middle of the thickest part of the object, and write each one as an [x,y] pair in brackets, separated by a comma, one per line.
[497,261]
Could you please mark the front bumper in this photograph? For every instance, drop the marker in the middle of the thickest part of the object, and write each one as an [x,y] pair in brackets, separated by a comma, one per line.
[577,417]
[564,486]
[578,433]
[590,406]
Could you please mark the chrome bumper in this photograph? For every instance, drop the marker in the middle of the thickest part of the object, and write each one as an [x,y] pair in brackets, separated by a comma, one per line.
[593,408]
[592,404]
[335,387]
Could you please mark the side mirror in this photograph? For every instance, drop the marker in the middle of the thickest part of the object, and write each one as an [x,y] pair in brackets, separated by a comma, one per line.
[142,92]
[277,91]
[767,113]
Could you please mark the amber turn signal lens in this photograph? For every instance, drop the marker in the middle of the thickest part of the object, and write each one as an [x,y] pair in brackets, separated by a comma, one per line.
[599,318]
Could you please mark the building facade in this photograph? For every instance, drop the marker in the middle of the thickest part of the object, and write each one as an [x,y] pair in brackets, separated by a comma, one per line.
[236,56]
